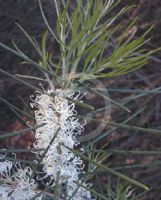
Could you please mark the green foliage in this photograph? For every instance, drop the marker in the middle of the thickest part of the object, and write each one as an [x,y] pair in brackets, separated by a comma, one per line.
[121,192]
[84,33]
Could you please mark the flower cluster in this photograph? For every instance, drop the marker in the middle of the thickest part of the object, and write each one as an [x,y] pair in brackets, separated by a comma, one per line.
[60,125]
[58,114]
[16,183]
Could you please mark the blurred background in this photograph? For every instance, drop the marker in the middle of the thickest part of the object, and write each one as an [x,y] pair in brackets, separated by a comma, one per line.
[145,168]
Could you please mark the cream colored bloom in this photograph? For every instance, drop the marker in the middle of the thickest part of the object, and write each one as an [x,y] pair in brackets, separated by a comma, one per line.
[58,113]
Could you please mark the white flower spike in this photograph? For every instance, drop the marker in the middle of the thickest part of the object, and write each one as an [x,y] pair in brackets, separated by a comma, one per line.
[59,114]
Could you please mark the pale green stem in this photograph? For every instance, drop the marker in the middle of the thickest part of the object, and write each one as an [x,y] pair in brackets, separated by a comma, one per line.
[62,44]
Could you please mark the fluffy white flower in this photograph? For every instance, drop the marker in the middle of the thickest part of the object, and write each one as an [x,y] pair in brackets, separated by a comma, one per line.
[5,190]
[5,167]
[59,114]
[80,192]
[16,183]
